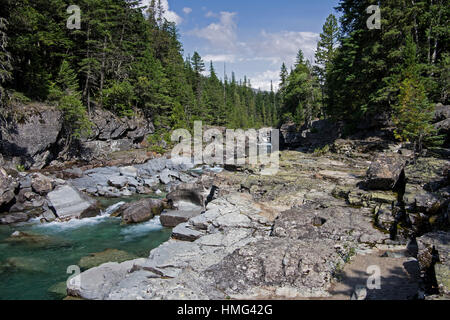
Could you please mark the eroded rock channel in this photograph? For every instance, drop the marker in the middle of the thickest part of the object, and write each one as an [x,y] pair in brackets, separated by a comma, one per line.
[310,231]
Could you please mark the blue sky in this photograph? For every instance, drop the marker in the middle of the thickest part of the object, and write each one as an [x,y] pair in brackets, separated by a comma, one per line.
[252,37]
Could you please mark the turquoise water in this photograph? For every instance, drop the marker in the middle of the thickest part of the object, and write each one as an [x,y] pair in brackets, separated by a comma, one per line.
[29,270]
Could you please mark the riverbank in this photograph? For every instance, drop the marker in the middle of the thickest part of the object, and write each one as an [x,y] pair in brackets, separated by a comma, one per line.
[294,235]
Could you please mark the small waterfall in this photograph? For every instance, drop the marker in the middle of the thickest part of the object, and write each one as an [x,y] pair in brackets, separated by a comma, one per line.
[111,209]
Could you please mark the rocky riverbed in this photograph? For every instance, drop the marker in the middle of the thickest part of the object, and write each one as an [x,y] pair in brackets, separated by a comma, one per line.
[335,208]
[299,234]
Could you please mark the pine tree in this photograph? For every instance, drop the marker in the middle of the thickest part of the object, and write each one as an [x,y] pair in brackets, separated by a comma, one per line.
[66,92]
[413,113]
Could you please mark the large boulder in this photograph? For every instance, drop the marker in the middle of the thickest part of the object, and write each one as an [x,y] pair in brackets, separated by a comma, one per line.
[187,197]
[33,138]
[108,126]
[111,134]
[426,182]
[385,171]
[7,187]
[290,135]
[434,258]
[172,218]
[142,210]
[41,184]
[67,202]
[318,134]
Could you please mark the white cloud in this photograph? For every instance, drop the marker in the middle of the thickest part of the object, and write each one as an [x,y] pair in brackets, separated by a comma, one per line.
[171,16]
[275,48]
[220,58]
[221,35]
[187,10]
[262,80]
[211,14]
[267,50]
[285,45]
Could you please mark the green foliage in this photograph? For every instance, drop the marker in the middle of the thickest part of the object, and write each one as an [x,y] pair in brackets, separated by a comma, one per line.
[119,97]
[327,46]
[64,91]
[121,60]
[160,141]
[366,70]
[322,151]
[301,93]
[413,113]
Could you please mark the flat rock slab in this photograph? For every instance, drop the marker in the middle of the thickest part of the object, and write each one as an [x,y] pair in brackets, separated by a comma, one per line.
[172,218]
[96,283]
[335,223]
[184,233]
[69,203]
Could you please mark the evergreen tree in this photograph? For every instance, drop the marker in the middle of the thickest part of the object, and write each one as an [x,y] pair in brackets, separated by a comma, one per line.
[66,92]
[413,113]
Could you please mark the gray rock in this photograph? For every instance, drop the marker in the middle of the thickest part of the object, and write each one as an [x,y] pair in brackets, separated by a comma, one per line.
[25,182]
[290,268]
[41,184]
[150,182]
[172,218]
[152,167]
[142,210]
[13,218]
[384,218]
[419,200]
[96,283]
[185,197]
[165,176]
[434,253]
[33,138]
[184,233]
[433,247]
[73,173]
[7,187]
[384,172]
[129,171]
[118,181]
[339,224]
[49,216]
[67,202]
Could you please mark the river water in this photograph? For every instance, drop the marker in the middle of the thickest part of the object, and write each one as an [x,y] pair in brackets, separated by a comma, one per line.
[29,270]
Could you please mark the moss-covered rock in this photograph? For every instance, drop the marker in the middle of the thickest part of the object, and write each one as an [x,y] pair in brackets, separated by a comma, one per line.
[58,290]
[109,255]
